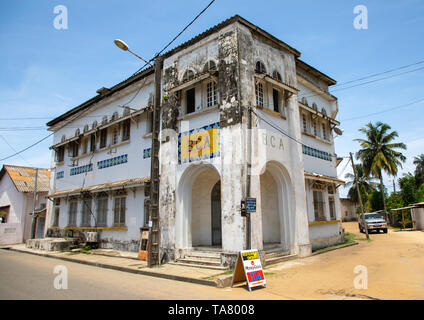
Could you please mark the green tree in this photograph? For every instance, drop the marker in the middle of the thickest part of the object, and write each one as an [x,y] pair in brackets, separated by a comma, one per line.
[378,152]
[365,183]
[394,201]
[419,169]
[408,189]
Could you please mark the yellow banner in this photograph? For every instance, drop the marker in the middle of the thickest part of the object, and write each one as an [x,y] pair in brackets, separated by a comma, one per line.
[198,145]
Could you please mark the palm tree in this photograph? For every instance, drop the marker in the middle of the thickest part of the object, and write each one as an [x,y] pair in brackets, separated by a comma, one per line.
[378,152]
[364,182]
[419,169]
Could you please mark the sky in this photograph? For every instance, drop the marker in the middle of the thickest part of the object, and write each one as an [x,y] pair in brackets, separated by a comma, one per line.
[45,71]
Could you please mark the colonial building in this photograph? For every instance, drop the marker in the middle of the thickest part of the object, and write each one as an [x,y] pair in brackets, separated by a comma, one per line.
[241,116]
[17,203]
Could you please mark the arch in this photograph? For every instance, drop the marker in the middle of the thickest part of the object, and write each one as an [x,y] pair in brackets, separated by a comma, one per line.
[86,128]
[63,138]
[115,116]
[285,202]
[304,101]
[184,236]
[77,132]
[104,120]
[276,75]
[94,125]
[126,111]
[188,75]
[323,111]
[314,106]
[210,66]
[260,67]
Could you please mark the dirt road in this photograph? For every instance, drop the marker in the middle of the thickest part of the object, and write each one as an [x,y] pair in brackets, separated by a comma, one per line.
[394,263]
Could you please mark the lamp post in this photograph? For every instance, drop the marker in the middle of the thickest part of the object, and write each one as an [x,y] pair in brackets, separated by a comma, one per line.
[153,256]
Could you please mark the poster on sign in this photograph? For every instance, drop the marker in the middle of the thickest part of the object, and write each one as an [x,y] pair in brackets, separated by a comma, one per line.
[249,268]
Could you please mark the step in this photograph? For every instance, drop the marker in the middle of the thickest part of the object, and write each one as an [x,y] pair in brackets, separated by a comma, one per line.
[274,260]
[276,253]
[198,261]
[203,256]
[207,249]
[198,266]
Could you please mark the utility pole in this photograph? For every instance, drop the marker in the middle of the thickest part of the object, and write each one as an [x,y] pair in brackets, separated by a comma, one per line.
[34,218]
[153,257]
[359,195]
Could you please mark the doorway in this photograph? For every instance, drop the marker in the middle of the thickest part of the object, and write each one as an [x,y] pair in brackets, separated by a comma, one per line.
[216,214]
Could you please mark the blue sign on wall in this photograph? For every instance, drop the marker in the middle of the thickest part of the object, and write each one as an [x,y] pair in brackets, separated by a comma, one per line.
[250,205]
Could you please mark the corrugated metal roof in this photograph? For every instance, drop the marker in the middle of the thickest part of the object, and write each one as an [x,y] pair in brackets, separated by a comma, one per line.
[23,178]
[101,187]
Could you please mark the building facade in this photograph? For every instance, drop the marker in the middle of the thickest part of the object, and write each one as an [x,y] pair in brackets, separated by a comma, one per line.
[241,116]
[348,209]
[17,203]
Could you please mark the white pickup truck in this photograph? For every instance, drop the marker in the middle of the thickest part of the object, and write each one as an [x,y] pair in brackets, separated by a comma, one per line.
[374,222]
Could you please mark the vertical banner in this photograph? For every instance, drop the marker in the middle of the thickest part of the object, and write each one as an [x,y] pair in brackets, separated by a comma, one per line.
[249,268]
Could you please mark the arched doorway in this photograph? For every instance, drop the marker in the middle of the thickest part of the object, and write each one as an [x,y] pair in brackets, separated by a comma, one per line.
[276,206]
[198,218]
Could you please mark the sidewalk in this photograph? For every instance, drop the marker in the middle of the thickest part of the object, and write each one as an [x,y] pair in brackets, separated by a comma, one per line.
[128,262]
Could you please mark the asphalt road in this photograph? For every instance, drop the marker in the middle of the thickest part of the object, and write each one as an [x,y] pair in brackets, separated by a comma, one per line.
[25,276]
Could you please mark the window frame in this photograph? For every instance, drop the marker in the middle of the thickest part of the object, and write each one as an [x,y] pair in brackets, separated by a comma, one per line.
[117,210]
[102,210]
[318,205]
[72,222]
[86,204]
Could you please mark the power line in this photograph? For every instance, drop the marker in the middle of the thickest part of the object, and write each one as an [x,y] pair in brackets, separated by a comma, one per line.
[23,150]
[378,74]
[363,83]
[384,111]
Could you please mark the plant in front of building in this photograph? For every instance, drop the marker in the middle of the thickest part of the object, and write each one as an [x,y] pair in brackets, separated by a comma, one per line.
[379,153]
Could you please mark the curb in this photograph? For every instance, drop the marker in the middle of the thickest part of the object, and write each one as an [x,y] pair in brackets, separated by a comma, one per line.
[340,247]
[216,283]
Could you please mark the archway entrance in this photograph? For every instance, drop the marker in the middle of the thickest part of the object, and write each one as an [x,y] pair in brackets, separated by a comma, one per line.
[198,219]
[271,222]
[276,207]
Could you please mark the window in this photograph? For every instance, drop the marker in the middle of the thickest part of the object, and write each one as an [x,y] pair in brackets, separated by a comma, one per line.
[209,66]
[276,75]
[190,100]
[126,125]
[103,138]
[331,203]
[102,203]
[314,124]
[211,94]
[324,132]
[188,75]
[260,67]
[73,207]
[259,94]
[86,212]
[92,142]
[56,212]
[304,123]
[119,212]
[84,145]
[149,122]
[60,154]
[73,149]
[115,135]
[4,214]
[276,100]
[318,206]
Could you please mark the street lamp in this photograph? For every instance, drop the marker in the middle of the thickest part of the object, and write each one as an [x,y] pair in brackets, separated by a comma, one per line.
[123,46]
[153,257]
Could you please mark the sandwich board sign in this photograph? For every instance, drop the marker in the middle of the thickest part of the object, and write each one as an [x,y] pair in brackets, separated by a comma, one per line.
[249,268]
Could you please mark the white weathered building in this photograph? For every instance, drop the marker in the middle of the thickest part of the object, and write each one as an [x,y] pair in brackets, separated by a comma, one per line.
[17,203]
[241,116]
